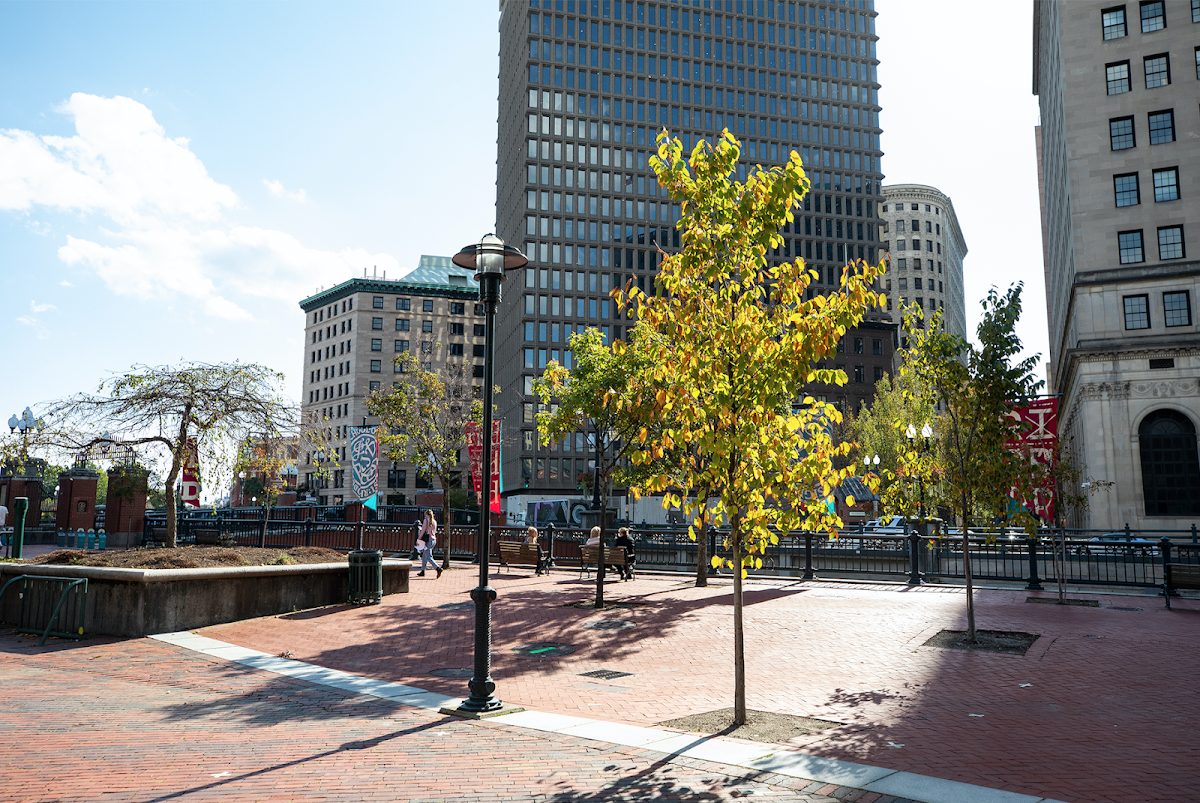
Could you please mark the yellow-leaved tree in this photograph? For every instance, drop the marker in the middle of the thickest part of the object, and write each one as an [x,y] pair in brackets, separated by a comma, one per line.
[732,341]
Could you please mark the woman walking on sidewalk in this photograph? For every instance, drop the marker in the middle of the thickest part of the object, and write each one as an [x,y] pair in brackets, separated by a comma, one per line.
[426,538]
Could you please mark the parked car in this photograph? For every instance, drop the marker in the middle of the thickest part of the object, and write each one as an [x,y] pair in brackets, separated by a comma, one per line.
[1117,544]
[893,525]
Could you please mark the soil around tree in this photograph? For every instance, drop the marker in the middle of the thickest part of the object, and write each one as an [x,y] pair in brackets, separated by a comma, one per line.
[761,726]
[1001,641]
[190,557]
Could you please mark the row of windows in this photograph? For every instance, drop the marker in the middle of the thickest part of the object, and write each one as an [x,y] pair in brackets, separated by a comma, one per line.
[331,310]
[1156,70]
[902,264]
[1152,15]
[930,226]
[342,328]
[377,367]
[1127,189]
[1170,245]
[1177,310]
[405,325]
[591,256]
[903,285]
[916,245]
[329,372]
[334,350]
[649,14]
[599,231]
[915,208]
[1122,133]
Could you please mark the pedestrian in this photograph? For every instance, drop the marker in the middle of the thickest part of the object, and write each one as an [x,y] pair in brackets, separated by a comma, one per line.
[625,542]
[531,538]
[595,539]
[426,539]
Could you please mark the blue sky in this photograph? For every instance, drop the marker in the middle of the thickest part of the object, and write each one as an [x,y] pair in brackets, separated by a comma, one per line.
[175,177]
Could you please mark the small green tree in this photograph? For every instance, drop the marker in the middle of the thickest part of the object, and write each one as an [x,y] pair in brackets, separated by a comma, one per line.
[604,393]
[731,343]
[977,388]
[423,420]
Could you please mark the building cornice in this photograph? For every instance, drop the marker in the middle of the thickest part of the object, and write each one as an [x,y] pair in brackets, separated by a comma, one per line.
[398,287]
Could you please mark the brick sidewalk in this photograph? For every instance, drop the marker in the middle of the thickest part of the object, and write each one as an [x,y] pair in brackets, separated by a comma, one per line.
[1105,718]
[146,721]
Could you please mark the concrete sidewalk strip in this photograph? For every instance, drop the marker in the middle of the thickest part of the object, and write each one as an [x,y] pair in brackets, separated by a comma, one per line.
[764,758]
[935,790]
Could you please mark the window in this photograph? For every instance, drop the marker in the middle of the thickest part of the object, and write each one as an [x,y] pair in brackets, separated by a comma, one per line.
[403,303]
[1137,312]
[479,309]
[1154,18]
[1120,133]
[479,330]
[426,346]
[1170,242]
[427,305]
[458,308]
[457,329]
[376,366]
[1130,245]
[397,478]
[373,387]
[1125,188]
[477,350]
[426,326]
[377,323]
[877,347]
[1177,309]
[1170,469]
[1162,127]
[1195,10]
[858,345]
[878,373]
[1197,50]
[401,346]
[1113,21]
[1158,70]
[456,349]
[1166,184]
[377,302]
[1117,75]
[376,344]
[477,370]
[859,373]
[402,324]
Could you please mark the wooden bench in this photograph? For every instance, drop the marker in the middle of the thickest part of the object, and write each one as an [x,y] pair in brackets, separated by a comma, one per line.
[522,554]
[158,536]
[1179,575]
[613,556]
[207,537]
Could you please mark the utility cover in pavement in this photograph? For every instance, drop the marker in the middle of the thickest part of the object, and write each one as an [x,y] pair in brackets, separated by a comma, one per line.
[545,649]
[605,674]
[608,624]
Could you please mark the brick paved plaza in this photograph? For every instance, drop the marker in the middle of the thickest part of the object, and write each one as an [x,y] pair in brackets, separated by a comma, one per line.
[1107,714]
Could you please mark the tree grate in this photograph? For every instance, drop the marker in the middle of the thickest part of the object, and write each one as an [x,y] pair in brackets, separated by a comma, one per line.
[605,674]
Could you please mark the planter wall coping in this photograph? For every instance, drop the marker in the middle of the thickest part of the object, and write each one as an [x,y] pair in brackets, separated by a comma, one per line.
[117,574]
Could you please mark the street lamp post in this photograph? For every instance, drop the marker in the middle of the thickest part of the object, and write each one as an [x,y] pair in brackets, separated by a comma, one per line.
[922,448]
[868,462]
[490,258]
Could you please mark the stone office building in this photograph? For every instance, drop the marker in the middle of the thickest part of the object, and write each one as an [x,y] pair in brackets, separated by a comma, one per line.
[352,333]
[1119,171]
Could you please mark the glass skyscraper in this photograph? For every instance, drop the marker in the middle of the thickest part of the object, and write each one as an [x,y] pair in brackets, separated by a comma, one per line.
[585,86]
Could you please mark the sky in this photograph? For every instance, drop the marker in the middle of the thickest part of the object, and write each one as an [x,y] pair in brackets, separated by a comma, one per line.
[176,177]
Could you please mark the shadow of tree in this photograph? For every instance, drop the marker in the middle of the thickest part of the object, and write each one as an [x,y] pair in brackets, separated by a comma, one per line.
[665,779]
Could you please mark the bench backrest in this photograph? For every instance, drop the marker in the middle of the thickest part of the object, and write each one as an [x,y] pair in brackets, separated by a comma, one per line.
[612,555]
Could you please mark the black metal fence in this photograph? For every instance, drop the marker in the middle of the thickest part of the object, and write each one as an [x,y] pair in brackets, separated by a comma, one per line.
[1002,555]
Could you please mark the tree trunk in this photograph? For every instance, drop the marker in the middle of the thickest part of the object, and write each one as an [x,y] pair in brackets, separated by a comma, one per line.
[966,538]
[262,541]
[446,520]
[600,559]
[702,556]
[739,652]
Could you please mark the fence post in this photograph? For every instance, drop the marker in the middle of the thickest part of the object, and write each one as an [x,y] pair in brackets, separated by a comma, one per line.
[1035,582]
[1127,529]
[20,505]
[1165,549]
[914,558]
[308,527]
[1194,533]
[808,566]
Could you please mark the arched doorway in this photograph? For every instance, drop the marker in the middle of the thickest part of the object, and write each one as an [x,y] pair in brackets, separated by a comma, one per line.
[1170,467]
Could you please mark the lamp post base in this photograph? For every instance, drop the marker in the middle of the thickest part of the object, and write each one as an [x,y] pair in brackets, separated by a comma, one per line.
[464,713]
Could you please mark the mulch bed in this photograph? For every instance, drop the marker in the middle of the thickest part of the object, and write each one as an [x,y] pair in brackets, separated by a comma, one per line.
[761,726]
[190,557]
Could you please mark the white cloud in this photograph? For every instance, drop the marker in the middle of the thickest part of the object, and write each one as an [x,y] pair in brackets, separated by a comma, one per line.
[167,232]
[42,307]
[276,188]
[27,320]
[65,283]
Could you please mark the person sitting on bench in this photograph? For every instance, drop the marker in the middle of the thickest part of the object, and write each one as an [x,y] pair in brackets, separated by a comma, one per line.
[623,540]
[531,538]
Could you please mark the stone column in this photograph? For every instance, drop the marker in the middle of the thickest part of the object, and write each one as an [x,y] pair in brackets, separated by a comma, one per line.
[125,508]
[76,499]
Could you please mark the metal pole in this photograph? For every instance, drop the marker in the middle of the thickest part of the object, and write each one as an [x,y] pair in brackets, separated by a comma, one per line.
[713,571]
[808,565]
[482,697]
[914,565]
[550,554]
[1035,582]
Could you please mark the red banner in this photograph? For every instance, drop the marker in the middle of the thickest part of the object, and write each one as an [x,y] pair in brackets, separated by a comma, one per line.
[475,452]
[1040,437]
[190,483]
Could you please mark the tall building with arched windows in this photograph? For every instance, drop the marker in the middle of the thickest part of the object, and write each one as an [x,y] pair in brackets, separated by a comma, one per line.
[1119,172]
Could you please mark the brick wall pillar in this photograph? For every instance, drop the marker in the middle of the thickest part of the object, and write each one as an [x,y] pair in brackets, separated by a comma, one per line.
[125,508]
[76,499]
[12,487]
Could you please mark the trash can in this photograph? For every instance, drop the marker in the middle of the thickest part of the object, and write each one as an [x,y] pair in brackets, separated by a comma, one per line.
[366,576]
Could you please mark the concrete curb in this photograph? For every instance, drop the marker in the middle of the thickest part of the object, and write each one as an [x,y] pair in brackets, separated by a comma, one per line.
[765,758]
